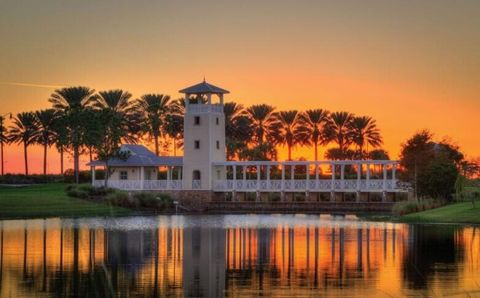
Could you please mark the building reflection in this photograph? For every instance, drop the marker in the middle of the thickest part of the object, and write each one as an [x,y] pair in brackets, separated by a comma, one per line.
[51,258]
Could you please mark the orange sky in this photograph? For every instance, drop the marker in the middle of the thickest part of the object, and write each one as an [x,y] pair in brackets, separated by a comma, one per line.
[410,65]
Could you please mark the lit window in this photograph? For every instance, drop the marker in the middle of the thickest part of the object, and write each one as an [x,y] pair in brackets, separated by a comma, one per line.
[197,144]
[197,120]
[123,175]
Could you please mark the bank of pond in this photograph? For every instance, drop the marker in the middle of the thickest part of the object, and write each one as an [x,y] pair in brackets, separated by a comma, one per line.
[61,200]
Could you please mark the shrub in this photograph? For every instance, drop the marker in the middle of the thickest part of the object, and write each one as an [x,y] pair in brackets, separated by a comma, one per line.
[121,199]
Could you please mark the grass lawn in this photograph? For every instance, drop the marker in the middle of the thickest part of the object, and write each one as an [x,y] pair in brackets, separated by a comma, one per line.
[453,213]
[49,200]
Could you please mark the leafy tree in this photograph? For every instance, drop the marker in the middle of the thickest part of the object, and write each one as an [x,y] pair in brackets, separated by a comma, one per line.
[154,108]
[311,129]
[265,151]
[431,167]
[339,130]
[70,103]
[46,132]
[337,154]
[24,131]
[364,132]
[378,154]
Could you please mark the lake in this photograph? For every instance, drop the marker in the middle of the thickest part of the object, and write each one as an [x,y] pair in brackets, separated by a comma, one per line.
[236,255]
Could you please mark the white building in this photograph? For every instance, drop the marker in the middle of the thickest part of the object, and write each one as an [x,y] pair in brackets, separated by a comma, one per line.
[204,166]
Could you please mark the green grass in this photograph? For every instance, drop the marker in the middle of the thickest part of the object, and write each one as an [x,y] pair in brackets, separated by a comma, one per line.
[453,213]
[49,200]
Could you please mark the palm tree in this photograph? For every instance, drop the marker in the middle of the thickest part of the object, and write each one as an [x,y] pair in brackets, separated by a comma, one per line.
[61,136]
[122,114]
[3,139]
[70,103]
[338,130]
[238,128]
[312,128]
[264,122]
[46,133]
[364,131]
[174,129]
[24,131]
[154,108]
[288,124]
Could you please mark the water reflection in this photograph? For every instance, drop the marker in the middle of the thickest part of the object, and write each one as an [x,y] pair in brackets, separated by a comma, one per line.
[235,256]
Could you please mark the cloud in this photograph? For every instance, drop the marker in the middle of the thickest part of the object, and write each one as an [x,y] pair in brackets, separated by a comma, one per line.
[20,84]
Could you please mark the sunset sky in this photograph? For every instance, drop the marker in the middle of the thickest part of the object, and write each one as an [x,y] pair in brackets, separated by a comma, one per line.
[409,64]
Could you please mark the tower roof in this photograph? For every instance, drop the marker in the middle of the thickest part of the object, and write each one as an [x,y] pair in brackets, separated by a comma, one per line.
[204,88]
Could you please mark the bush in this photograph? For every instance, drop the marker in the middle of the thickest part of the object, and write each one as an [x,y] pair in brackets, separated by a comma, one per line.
[121,199]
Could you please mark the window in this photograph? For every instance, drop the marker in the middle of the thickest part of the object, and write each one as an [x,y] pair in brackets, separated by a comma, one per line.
[197,120]
[218,144]
[218,121]
[197,144]
[123,175]
[196,175]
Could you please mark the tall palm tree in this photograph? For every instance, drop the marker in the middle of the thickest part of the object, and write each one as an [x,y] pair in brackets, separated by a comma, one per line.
[312,128]
[3,140]
[123,114]
[61,136]
[264,122]
[70,102]
[338,130]
[364,131]
[154,108]
[174,129]
[238,128]
[24,131]
[288,124]
[46,132]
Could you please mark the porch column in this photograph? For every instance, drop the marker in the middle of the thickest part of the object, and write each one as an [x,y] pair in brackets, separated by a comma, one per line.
[307,171]
[368,176]
[292,177]
[258,182]
[283,183]
[268,176]
[342,174]
[317,170]
[169,172]
[142,178]
[332,188]
[234,183]
[394,178]
[93,175]
[244,178]
[384,197]
[359,177]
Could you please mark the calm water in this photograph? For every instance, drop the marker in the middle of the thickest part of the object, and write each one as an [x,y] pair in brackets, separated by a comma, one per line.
[252,255]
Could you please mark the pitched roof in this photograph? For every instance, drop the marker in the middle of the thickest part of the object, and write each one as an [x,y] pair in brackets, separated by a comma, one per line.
[140,156]
[204,88]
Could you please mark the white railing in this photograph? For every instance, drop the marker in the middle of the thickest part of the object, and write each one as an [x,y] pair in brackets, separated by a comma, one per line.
[137,184]
[320,185]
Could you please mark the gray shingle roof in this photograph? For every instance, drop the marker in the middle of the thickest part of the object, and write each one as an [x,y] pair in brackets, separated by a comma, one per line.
[204,88]
[140,156]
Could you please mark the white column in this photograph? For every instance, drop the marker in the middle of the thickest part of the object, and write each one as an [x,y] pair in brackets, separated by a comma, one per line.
[244,178]
[342,174]
[234,177]
[359,175]
[333,176]
[283,177]
[368,176]
[317,170]
[292,177]
[384,166]
[168,177]
[93,175]
[307,170]
[394,170]
[142,178]
[268,177]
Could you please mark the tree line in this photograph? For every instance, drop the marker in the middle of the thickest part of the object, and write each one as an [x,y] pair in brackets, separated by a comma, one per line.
[83,121]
